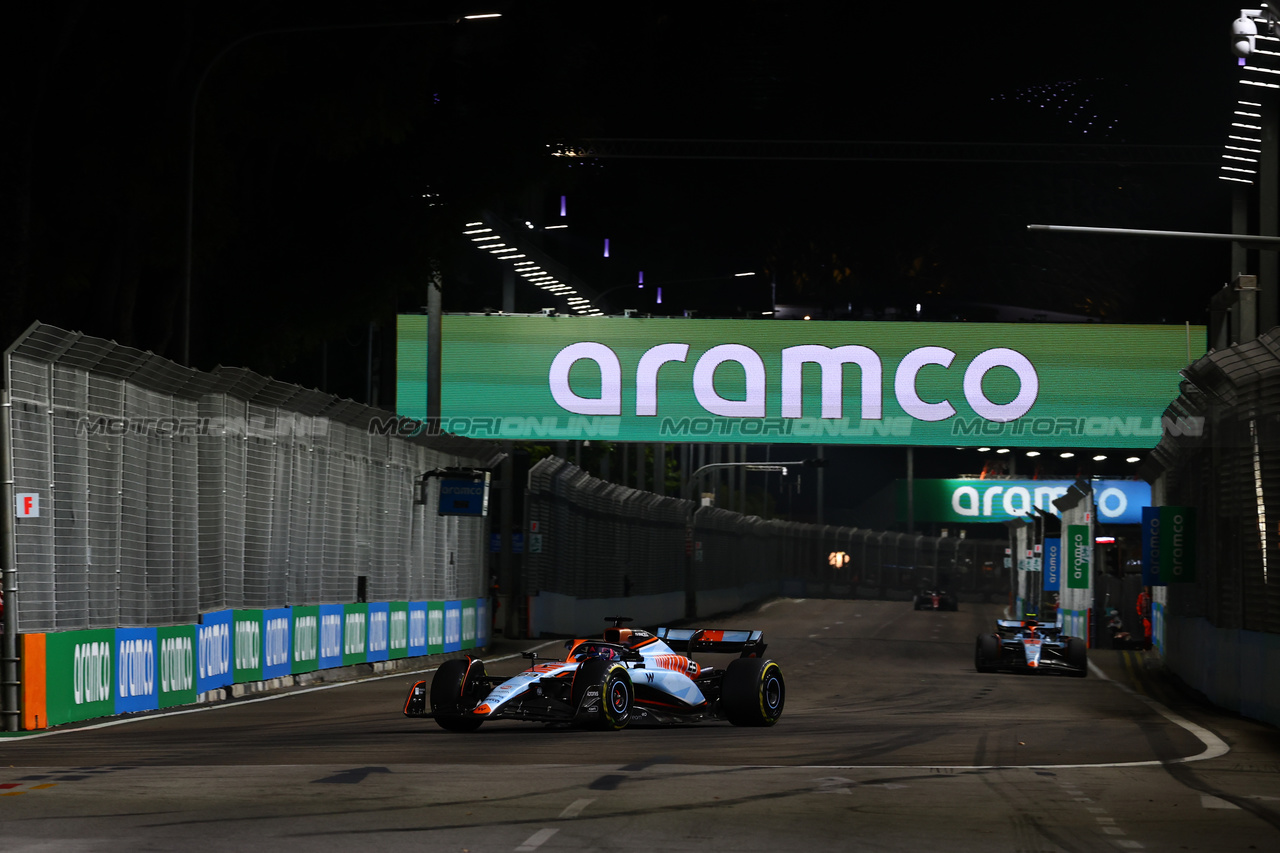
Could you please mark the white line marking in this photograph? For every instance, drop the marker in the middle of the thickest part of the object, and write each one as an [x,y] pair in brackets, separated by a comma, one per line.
[1129,845]
[1209,801]
[1113,830]
[533,842]
[575,808]
[1107,820]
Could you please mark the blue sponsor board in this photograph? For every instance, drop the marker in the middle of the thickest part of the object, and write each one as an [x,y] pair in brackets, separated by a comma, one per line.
[136,687]
[379,639]
[277,642]
[331,616]
[1052,565]
[453,626]
[213,651]
[464,497]
[1151,546]
[417,628]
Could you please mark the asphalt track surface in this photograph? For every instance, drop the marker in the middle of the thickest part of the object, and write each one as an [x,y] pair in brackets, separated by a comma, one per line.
[890,741]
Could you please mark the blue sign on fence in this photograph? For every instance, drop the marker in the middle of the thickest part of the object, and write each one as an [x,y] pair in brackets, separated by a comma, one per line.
[1052,565]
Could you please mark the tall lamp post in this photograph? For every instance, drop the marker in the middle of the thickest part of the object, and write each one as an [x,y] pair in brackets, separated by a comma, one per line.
[191,140]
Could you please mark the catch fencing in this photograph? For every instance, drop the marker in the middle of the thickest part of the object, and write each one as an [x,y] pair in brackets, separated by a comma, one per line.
[148,493]
[1224,460]
[598,540]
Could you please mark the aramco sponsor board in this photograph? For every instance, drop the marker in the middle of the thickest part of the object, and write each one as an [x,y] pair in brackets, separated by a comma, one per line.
[78,675]
[642,379]
[1117,501]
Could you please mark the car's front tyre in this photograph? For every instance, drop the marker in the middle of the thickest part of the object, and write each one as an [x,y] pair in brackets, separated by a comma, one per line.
[986,653]
[453,692]
[602,695]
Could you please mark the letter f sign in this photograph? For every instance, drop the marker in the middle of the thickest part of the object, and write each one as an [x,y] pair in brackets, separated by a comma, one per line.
[28,505]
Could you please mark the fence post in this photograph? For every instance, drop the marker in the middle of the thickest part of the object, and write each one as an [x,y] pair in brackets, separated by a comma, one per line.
[8,573]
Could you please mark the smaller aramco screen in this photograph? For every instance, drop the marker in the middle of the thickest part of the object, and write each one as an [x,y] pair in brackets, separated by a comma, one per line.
[670,380]
[1117,501]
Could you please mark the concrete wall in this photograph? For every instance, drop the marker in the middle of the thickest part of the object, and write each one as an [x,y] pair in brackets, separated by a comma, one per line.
[559,615]
[1234,669]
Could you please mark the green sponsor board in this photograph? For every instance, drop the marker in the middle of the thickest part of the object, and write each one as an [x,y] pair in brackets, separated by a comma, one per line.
[435,627]
[468,623]
[1079,554]
[306,640]
[79,675]
[965,384]
[177,665]
[1177,544]
[246,646]
[398,631]
[355,633]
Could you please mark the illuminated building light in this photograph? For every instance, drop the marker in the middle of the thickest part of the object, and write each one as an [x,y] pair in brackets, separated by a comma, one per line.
[606,247]
[1240,159]
[512,257]
[1033,452]
[1244,171]
[1244,139]
[642,278]
[1133,459]
[1259,69]
[482,15]
[1242,148]
[1247,115]
[1100,458]
[741,274]
[659,295]
[1248,104]
[479,231]
[1237,180]
[551,227]
[984,449]
[1067,455]
[563,208]
[1245,126]
[1260,83]
[474,224]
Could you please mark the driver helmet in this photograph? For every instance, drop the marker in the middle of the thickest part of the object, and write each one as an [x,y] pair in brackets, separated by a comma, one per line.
[595,650]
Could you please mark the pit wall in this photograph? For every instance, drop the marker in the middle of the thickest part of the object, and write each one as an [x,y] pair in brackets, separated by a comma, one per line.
[79,675]
[556,615]
[1233,668]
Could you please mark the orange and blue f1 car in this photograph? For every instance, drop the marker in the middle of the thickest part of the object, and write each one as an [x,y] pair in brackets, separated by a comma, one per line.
[1030,646]
[631,676]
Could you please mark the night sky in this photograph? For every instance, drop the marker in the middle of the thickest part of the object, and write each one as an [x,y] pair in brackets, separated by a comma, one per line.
[908,146]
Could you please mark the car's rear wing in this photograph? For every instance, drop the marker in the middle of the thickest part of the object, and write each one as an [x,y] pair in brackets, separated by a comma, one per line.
[1044,627]
[750,644]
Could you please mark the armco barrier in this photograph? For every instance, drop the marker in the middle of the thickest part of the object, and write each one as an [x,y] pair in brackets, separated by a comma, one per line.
[78,675]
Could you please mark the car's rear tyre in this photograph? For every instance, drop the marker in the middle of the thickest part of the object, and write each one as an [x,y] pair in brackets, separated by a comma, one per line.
[986,653]
[602,695]
[1077,656]
[453,694]
[753,692]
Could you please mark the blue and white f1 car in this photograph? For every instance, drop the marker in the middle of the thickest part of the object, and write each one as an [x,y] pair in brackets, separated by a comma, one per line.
[1030,646]
[632,676]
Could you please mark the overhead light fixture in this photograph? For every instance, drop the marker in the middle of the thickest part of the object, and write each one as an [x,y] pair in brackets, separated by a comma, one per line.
[1067,455]
[1033,452]
[1100,458]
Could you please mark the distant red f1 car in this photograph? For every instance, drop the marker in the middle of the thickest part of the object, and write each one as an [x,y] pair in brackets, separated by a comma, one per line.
[631,677]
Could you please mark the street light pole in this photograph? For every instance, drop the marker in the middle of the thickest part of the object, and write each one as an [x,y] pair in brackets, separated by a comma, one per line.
[188,241]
